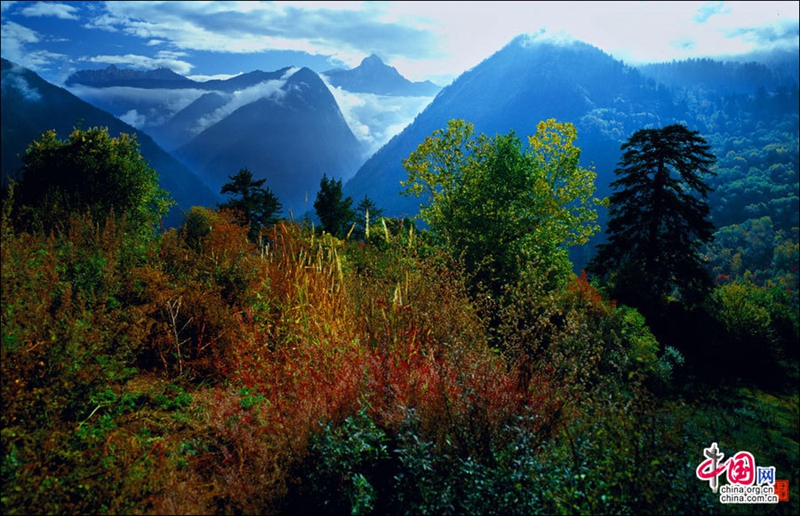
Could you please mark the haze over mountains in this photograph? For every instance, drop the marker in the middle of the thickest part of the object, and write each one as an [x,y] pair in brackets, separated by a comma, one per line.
[287,126]
[290,138]
[32,106]
[529,81]
[291,126]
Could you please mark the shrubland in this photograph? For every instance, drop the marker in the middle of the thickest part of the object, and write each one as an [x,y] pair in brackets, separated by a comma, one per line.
[199,370]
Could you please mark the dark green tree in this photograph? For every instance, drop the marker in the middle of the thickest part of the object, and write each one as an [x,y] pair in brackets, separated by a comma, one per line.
[256,205]
[367,212]
[658,219]
[89,172]
[335,211]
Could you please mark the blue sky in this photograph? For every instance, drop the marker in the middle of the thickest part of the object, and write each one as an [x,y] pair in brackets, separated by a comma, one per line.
[423,40]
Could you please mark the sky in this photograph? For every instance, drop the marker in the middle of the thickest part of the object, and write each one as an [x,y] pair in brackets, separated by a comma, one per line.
[434,41]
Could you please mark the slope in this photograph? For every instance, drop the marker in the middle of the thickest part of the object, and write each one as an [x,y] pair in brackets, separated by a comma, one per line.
[523,83]
[290,139]
[31,105]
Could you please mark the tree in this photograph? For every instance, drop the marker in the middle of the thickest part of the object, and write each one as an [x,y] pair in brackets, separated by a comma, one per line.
[256,206]
[506,210]
[89,171]
[335,212]
[658,218]
[366,213]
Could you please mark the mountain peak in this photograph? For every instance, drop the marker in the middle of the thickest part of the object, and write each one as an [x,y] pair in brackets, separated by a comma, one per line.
[375,76]
[372,61]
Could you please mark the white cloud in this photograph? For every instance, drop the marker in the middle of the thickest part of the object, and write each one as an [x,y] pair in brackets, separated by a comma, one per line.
[14,38]
[41,59]
[133,118]
[343,31]
[57,10]
[375,119]
[268,89]
[217,77]
[153,106]
[163,59]
[13,79]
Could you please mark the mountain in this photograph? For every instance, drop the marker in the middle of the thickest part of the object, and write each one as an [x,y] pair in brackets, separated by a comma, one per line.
[149,99]
[185,124]
[174,110]
[721,77]
[290,137]
[376,101]
[113,76]
[373,76]
[31,106]
[516,88]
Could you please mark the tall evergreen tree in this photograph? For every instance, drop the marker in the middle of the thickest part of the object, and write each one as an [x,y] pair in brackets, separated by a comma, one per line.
[367,212]
[257,206]
[335,211]
[659,218]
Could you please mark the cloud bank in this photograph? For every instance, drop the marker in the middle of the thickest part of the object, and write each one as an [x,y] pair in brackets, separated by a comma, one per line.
[375,119]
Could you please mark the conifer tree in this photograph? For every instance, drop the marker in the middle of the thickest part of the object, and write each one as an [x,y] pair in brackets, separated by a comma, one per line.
[659,219]
[367,212]
[256,205]
[335,211]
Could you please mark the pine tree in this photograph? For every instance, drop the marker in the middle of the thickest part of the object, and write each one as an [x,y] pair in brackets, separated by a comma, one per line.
[367,212]
[335,212]
[257,206]
[659,219]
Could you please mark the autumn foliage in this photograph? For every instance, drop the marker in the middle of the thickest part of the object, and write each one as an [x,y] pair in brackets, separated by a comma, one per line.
[198,371]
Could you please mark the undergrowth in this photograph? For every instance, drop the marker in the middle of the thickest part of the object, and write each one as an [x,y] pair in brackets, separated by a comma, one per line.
[198,372]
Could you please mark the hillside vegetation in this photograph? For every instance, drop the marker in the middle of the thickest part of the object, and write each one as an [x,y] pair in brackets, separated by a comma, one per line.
[196,370]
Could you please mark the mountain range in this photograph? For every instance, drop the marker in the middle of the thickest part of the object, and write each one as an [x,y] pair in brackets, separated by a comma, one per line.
[288,126]
[528,81]
[292,125]
[31,106]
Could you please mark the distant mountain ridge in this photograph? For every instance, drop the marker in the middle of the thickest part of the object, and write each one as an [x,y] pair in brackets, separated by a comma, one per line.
[113,76]
[520,85]
[723,77]
[374,76]
[290,139]
[32,106]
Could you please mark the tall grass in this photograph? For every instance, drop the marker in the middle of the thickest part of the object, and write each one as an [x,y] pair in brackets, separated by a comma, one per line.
[199,372]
